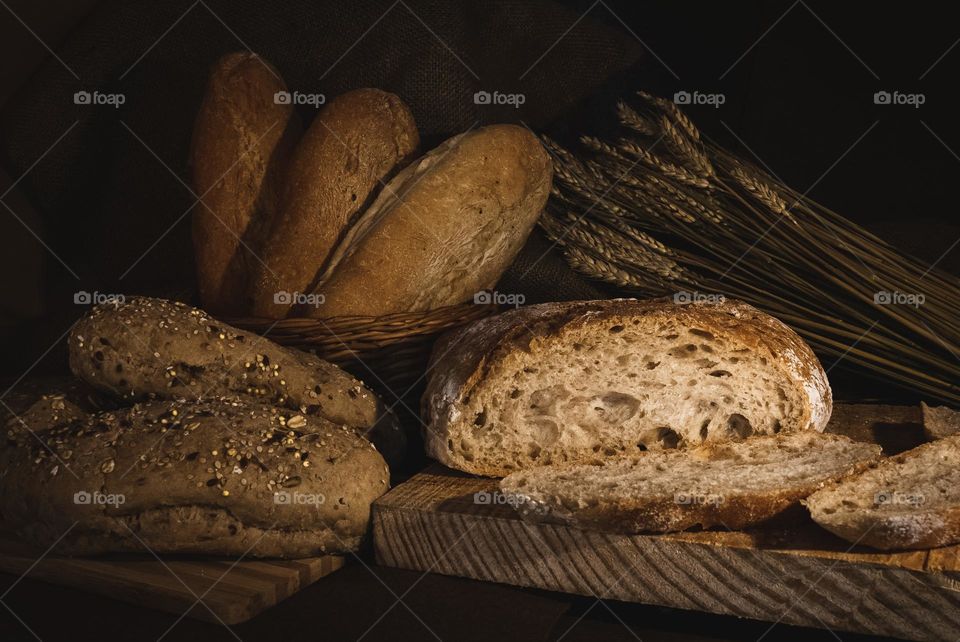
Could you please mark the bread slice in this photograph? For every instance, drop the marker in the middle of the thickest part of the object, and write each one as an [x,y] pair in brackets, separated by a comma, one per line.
[940,421]
[911,500]
[443,229]
[356,142]
[734,485]
[567,382]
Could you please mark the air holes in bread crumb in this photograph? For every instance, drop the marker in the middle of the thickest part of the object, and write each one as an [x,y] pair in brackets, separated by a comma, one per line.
[614,329]
[739,426]
[721,373]
[481,418]
[701,333]
[668,437]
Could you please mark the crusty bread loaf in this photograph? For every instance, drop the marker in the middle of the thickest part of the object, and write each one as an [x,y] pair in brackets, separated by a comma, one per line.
[216,477]
[940,421]
[443,229]
[567,382]
[911,500]
[733,485]
[357,141]
[241,142]
[145,348]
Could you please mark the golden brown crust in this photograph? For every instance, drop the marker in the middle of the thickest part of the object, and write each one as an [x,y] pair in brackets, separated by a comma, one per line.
[242,139]
[356,142]
[444,229]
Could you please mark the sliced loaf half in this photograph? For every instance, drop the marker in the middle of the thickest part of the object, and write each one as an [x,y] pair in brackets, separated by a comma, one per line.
[571,382]
[733,485]
[908,501]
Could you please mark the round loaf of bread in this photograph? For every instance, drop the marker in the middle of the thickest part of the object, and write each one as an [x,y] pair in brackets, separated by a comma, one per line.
[577,381]
[220,477]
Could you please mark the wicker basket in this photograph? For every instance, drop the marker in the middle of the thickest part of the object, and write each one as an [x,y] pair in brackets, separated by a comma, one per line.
[389,353]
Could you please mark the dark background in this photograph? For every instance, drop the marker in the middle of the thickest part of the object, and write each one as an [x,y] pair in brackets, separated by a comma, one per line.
[798,79]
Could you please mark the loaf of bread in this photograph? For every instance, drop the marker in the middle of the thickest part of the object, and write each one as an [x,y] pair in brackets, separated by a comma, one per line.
[940,421]
[909,501]
[356,142]
[571,382]
[221,476]
[733,485]
[148,348]
[443,229]
[242,139]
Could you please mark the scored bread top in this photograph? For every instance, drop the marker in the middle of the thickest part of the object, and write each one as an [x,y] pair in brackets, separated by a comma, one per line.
[564,382]
[911,500]
[734,485]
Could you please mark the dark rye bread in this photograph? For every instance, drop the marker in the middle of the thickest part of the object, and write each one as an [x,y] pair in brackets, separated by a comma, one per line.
[146,347]
[355,143]
[242,140]
[443,229]
[733,485]
[570,382]
[911,500]
[219,477]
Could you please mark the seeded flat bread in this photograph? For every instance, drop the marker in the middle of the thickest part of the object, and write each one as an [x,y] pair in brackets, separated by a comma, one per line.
[144,348]
[221,477]
[908,501]
[569,382]
[732,485]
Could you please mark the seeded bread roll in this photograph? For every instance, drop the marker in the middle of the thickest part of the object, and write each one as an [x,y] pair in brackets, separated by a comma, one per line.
[570,382]
[218,477]
[732,485]
[242,140]
[908,501]
[145,348]
[443,229]
[357,141]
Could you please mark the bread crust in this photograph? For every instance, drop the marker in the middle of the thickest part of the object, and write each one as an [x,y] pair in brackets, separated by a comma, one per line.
[242,141]
[357,142]
[221,477]
[442,230]
[462,359]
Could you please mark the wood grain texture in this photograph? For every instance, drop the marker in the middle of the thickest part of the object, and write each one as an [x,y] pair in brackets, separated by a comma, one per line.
[789,571]
[238,591]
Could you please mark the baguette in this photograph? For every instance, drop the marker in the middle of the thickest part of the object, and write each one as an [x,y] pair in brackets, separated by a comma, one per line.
[568,382]
[148,348]
[219,477]
[356,142]
[242,140]
[910,501]
[443,229]
[733,485]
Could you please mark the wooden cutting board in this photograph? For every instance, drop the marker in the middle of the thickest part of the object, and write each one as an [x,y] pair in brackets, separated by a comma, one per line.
[791,572]
[230,593]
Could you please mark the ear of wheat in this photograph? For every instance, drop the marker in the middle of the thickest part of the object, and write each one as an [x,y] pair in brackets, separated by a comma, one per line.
[657,210]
